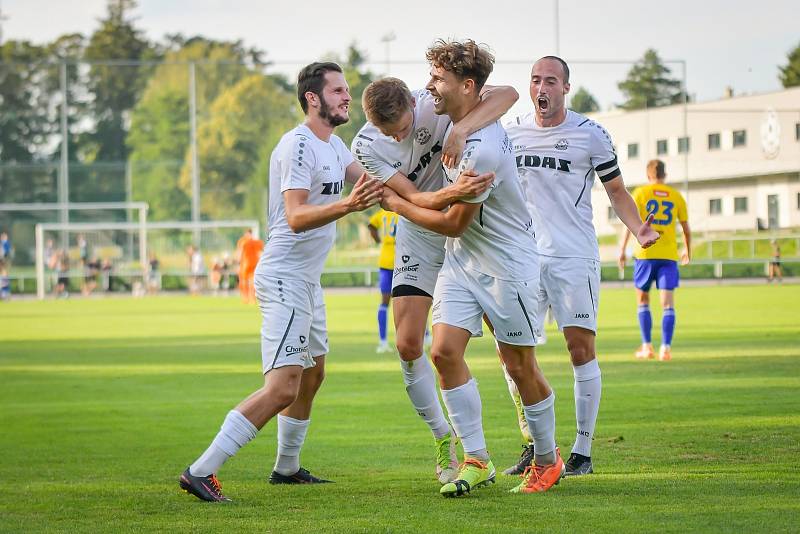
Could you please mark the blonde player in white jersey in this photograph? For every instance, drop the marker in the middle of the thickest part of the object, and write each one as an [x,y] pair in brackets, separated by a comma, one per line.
[490,268]
[308,169]
[558,153]
[403,146]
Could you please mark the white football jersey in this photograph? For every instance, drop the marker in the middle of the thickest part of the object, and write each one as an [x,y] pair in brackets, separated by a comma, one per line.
[302,161]
[557,166]
[418,156]
[499,240]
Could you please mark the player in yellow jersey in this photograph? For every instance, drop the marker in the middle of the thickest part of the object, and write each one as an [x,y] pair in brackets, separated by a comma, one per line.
[383,227]
[658,263]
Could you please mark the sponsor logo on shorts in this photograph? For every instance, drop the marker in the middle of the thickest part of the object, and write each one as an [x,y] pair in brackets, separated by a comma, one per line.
[406,269]
[406,258]
[302,339]
[513,334]
[295,350]
[581,315]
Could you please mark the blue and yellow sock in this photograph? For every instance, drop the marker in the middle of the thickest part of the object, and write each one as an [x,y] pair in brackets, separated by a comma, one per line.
[645,323]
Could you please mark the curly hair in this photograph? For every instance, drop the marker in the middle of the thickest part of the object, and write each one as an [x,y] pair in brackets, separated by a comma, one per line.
[385,100]
[466,59]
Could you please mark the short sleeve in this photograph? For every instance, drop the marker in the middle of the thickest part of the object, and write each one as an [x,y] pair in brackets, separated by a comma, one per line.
[481,159]
[602,153]
[365,150]
[297,164]
[375,220]
[682,214]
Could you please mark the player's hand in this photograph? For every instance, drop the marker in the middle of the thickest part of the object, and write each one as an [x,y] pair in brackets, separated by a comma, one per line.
[453,148]
[366,192]
[685,259]
[621,259]
[646,235]
[470,184]
[390,199]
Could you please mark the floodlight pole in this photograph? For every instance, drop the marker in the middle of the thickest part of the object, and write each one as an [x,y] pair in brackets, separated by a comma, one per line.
[63,175]
[193,141]
[685,130]
[387,40]
[556,25]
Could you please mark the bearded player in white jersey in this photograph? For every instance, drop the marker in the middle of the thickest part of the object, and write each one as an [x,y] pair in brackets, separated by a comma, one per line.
[558,153]
[403,146]
[308,169]
[491,268]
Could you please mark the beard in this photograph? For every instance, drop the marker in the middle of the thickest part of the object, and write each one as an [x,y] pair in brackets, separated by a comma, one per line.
[326,115]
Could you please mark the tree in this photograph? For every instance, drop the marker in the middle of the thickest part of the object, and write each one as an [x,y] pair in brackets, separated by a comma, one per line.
[790,74]
[648,84]
[583,102]
[115,87]
[244,124]
[160,130]
[358,79]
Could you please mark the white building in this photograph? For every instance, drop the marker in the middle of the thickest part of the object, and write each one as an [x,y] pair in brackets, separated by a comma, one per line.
[741,155]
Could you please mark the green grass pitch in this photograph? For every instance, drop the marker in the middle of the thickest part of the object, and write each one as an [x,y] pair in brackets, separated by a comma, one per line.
[104,402]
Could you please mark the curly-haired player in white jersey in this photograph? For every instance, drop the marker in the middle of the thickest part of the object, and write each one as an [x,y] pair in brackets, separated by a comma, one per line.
[308,169]
[490,267]
[558,153]
[403,145]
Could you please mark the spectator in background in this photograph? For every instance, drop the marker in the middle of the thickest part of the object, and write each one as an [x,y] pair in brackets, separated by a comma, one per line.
[83,247]
[62,274]
[91,270]
[5,248]
[251,252]
[196,268]
[153,275]
[775,268]
[5,281]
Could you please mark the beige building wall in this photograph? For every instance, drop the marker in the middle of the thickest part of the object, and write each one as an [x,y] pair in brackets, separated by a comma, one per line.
[758,156]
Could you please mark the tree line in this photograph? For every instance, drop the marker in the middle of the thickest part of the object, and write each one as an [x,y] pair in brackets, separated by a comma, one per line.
[128,101]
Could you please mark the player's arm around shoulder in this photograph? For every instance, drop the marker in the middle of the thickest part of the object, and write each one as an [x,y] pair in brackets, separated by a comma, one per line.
[495,102]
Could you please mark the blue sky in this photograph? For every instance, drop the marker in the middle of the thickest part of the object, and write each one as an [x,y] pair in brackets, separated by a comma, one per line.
[724,43]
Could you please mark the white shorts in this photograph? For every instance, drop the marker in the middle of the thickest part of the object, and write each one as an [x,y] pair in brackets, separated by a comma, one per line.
[571,287]
[462,297]
[418,257]
[293,327]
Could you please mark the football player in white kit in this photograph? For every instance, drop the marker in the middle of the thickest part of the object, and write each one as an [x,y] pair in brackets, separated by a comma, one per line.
[403,145]
[308,169]
[490,267]
[558,153]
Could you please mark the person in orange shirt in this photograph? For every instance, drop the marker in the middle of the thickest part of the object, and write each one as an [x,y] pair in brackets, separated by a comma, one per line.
[249,251]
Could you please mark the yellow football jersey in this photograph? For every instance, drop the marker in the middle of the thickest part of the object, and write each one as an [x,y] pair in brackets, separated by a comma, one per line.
[667,207]
[386,223]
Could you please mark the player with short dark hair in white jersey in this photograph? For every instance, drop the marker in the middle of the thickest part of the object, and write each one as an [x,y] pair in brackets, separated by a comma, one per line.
[308,169]
[491,268]
[558,153]
[403,145]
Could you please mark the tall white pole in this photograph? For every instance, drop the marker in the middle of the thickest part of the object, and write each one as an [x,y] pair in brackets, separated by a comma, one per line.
[63,175]
[193,141]
[558,36]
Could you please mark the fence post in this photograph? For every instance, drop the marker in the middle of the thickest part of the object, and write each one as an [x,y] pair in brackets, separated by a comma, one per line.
[718,269]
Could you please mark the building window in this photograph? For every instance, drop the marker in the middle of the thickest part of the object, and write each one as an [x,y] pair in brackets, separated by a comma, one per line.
[612,215]
[683,145]
[798,201]
[633,150]
[713,141]
[739,137]
[661,147]
[740,205]
[715,206]
[797,131]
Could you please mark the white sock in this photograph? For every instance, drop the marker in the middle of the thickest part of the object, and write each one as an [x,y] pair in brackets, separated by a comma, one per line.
[464,406]
[234,434]
[291,436]
[542,423]
[421,388]
[588,386]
